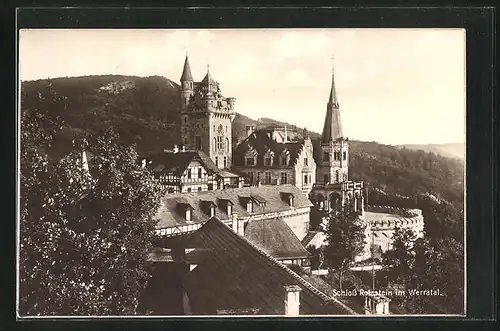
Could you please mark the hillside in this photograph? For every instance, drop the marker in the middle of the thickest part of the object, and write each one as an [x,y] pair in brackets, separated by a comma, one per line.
[145,111]
[453,150]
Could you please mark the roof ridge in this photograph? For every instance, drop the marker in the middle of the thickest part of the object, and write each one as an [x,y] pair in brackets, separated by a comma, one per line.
[297,277]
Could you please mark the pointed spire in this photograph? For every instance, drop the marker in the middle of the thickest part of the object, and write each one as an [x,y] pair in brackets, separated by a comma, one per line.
[333,93]
[186,72]
[332,129]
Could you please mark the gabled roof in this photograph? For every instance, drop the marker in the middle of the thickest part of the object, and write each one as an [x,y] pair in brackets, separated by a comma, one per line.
[168,162]
[169,216]
[276,238]
[261,141]
[239,276]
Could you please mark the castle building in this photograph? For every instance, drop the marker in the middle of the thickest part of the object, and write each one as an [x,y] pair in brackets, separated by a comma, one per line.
[206,118]
[184,171]
[332,158]
[274,156]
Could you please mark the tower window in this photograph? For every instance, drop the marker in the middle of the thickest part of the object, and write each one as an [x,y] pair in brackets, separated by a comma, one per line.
[305,179]
[345,155]
[227,144]
[326,156]
[225,162]
[219,143]
[306,161]
[217,161]
[338,176]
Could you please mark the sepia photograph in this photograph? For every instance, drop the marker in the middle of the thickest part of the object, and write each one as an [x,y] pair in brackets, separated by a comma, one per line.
[241,172]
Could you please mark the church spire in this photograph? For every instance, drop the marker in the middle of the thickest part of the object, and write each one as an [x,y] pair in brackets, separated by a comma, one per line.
[186,72]
[332,129]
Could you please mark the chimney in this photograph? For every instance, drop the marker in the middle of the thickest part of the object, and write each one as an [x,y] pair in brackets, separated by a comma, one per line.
[292,300]
[183,148]
[176,149]
[238,225]
[234,222]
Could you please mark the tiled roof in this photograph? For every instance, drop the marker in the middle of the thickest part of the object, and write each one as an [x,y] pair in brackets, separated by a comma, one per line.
[240,276]
[169,216]
[261,141]
[276,238]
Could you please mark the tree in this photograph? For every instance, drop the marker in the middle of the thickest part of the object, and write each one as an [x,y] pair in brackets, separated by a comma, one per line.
[84,235]
[399,260]
[344,239]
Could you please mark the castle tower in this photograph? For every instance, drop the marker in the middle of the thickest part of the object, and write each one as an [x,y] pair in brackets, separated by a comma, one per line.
[334,158]
[206,118]
[332,185]
[186,83]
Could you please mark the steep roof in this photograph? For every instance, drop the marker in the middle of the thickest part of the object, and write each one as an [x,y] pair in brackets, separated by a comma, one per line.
[168,162]
[332,129]
[208,80]
[261,141]
[169,216]
[276,238]
[186,72]
[240,276]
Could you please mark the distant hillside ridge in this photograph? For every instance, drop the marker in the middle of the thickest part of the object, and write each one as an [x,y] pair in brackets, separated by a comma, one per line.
[146,111]
[452,150]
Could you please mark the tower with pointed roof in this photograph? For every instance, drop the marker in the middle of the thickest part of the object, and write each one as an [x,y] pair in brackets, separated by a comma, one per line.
[206,117]
[332,162]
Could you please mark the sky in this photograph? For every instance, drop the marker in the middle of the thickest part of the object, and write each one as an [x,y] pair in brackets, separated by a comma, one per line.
[395,86]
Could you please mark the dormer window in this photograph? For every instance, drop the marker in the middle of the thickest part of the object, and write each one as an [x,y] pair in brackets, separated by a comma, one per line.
[208,207]
[226,205]
[268,158]
[185,209]
[288,198]
[249,206]
[285,158]
[250,157]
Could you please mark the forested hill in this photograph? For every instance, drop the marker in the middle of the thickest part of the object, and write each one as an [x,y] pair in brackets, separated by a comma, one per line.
[145,111]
